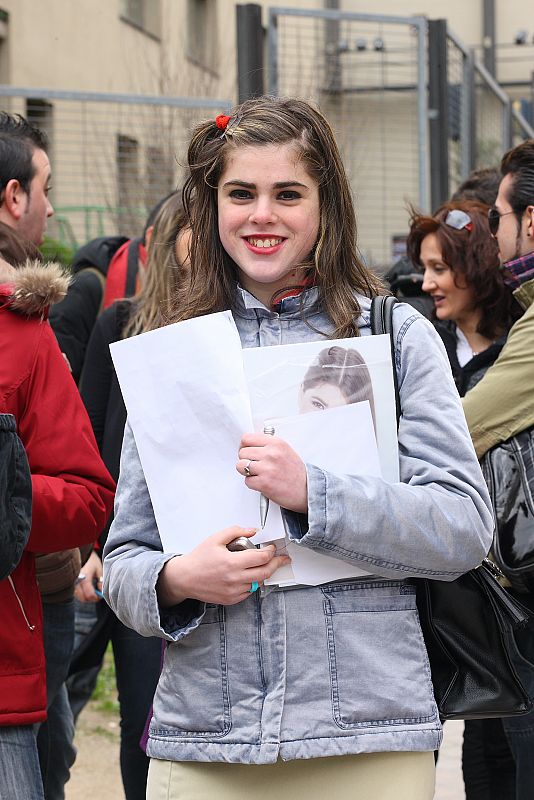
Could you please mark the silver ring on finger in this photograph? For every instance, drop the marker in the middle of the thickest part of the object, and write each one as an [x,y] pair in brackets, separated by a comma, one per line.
[246,470]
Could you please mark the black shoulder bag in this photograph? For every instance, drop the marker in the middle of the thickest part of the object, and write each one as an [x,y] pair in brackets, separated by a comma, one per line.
[509,472]
[467,624]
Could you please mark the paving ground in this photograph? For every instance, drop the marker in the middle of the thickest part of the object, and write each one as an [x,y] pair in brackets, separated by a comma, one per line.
[96,772]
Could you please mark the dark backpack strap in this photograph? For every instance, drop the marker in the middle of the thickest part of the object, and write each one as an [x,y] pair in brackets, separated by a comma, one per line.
[132,268]
[382,322]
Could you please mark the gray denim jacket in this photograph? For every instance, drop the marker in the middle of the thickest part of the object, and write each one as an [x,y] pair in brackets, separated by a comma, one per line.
[333,669]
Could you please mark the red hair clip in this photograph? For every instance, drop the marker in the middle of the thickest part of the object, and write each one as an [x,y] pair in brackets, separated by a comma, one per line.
[222,121]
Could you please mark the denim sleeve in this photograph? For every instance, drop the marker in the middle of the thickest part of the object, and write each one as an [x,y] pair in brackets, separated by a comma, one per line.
[133,559]
[437,521]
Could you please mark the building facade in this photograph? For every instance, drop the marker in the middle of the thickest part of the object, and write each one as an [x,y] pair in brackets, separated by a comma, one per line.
[118,85]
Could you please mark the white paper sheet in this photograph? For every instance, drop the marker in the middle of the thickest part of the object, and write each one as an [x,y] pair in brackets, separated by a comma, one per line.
[188,405]
[341,441]
[191,392]
[275,374]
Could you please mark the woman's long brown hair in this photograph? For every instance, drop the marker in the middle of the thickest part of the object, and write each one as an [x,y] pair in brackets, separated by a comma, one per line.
[164,276]
[334,262]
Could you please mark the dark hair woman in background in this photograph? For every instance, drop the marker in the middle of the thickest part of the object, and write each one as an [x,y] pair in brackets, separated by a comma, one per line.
[473,312]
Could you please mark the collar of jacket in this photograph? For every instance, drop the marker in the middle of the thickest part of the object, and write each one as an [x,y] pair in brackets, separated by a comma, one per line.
[525,294]
[33,287]
[306,303]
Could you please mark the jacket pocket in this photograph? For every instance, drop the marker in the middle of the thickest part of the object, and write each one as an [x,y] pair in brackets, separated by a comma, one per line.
[379,670]
[192,696]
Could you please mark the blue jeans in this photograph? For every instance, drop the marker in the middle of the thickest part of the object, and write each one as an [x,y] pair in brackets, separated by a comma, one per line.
[55,737]
[20,775]
[520,730]
[81,685]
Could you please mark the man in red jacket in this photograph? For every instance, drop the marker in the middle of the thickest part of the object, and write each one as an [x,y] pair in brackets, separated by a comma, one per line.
[72,490]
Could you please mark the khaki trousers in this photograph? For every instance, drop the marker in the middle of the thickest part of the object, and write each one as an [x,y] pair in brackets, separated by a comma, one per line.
[370,776]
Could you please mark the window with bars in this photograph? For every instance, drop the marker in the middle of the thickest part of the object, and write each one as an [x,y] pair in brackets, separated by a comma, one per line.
[129,186]
[41,114]
[202,33]
[143,14]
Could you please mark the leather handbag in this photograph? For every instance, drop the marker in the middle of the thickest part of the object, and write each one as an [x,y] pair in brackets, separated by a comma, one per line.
[467,626]
[509,472]
[467,623]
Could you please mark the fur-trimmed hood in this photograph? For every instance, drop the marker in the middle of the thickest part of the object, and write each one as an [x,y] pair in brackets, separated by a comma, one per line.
[33,287]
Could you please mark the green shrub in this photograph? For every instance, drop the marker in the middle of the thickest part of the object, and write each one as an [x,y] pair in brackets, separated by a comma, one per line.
[54,250]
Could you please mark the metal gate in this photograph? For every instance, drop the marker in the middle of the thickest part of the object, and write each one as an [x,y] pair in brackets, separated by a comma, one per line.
[368,75]
[113,156]
[413,110]
[482,120]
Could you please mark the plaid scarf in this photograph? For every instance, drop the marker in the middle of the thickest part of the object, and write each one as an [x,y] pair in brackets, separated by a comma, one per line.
[519,271]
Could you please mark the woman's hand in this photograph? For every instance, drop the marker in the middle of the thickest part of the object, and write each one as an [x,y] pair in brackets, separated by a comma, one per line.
[275,470]
[213,574]
[84,589]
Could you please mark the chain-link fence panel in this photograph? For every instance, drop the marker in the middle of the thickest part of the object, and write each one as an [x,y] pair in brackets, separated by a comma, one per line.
[492,121]
[482,120]
[458,107]
[521,128]
[113,156]
[365,74]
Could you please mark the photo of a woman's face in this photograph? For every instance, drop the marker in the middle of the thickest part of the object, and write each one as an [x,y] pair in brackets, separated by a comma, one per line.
[320,397]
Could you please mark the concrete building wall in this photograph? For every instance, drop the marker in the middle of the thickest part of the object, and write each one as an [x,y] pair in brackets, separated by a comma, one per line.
[106,155]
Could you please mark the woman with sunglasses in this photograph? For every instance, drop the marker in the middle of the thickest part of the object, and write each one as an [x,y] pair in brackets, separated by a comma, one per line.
[473,312]
[473,309]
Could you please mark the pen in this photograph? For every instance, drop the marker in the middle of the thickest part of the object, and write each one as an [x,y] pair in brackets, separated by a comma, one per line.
[264,501]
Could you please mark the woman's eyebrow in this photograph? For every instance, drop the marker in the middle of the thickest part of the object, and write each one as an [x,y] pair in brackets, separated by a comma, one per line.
[287,184]
[279,185]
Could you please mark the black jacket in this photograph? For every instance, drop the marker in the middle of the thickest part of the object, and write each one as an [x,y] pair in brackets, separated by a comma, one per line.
[99,386]
[470,374]
[73,319]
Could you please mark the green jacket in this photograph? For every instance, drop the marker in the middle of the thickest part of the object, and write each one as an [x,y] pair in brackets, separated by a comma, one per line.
[502,404]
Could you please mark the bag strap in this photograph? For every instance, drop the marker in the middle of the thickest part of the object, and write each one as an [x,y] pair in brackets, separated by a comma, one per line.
[382,322]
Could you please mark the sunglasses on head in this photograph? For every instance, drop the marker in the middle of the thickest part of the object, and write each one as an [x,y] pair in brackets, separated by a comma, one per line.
[459,220]
[494,218]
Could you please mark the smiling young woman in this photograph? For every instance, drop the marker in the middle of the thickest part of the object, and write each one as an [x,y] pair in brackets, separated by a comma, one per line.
[299,692]
[268,217]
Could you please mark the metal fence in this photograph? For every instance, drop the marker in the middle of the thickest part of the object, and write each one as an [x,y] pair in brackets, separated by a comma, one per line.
[414,114]
[113,156]
[482,119]
[368,75]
